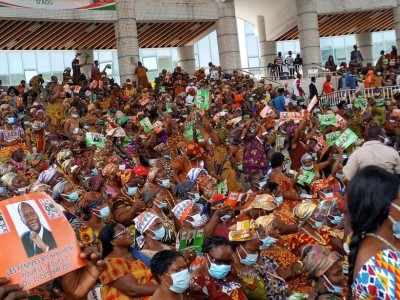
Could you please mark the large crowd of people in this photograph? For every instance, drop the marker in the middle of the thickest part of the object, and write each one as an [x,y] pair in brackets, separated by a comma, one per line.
[209,185]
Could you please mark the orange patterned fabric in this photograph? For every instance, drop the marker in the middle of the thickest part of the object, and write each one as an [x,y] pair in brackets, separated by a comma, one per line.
[117,268]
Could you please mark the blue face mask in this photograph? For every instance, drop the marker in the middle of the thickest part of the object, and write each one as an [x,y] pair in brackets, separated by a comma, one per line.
[336,219]
[196,196]
[11,120]
[103,213]
[267,242]
[131,190]
[162,205]
[261,184]
[159,233]
[73,197]
[167,156]
[279,200]
[331,287]
[180,281]
[2,190]
[316,224]
[164,183]
[218,271]
[249,260]
[396,225]
[94,172]
[27,123]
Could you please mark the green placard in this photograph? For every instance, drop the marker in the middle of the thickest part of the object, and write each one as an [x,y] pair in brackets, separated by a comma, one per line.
[191,239]
[332,137]
[361,103]
[379,102]
[202,99]
[222,187]
[94,138]
[146,124]
[305,177]
[326,120]
[346,138]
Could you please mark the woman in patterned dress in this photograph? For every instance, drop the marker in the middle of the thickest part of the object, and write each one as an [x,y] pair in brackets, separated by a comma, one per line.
[373,203]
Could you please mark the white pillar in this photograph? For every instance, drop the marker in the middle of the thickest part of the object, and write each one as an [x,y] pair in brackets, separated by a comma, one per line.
[88,68]
[396,15]
[127,39]
[364,44]
[267,48]
[307,23]
[186,59]
[227,36]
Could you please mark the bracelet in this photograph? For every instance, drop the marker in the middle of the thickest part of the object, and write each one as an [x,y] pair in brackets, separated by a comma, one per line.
[301,263]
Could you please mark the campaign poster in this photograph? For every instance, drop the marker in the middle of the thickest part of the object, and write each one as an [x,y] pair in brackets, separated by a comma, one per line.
[202,99]
[94,138]
[191,239]
[326,120]
[332,137]
[61,4]
[287,115]
[347,138]
[37,240]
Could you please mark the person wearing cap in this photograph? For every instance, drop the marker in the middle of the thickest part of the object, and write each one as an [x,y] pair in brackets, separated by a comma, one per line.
[326,272]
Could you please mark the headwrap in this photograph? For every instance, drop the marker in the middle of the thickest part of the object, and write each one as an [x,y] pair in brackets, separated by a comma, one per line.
[150,193]
[152,174]
[34,159]
[243,231]
[304,211]
[123,120]
[124,176]
[139,170]
[194,173]
[206,179]
[109,170]
[184,187]
[100,123]
[119,114]
[91,107]
[159,147]
[182,209]
[265,201]
[266,222]
[95,183]
[5,168]
[39,187]
[144,221]
[58,189]
[47,175]
[305,157]
[63,155]
[65,164]
[116,132]
[318,259]
[8,178]
[194,149]
[89,200]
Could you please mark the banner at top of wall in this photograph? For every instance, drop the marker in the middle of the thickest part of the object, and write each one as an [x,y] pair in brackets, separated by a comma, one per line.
[61,4]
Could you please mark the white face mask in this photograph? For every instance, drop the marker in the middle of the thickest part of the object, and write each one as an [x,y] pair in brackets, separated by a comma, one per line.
[197,220]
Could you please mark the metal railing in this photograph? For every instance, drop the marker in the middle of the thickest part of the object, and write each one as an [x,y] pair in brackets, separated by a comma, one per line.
[349,94]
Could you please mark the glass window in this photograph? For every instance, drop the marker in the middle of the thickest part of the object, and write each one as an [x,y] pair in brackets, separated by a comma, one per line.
[15,63]
[163,52]
[115,65]
[249,28]
[254,62]
[68,57]
[214,48]
[110,72]
[150,63]
[29,60]
[3,64]
[44,62]
[252,46]
[57,61]
[165,63]
[105,56]
[148,52]
[204,51]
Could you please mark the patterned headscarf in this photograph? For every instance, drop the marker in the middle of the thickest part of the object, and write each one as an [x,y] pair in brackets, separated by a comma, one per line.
[39,187]
[243,231]
[265,201]
[318,259]
[266,222]
[184,187]
[8,178]
[63,155]
[124,176]
[123,120]
[47,175]
[306,157]
[5,168]
[152,174]
[58,189]
[150,193]
[144,221]
[65,164]
[95,183]
[182,209]
[304,211]
[109,170]
[194,149]
[206,179]
[194,173]
[139,170]
[89,200]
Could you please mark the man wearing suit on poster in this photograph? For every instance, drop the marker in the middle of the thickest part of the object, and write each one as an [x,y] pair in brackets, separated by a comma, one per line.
[37,239]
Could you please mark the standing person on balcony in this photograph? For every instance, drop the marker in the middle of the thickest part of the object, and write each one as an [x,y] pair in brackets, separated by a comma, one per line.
[356,56]
[313,91]
[278,62]
[298,61]
[289,61]
[330,64]
[394,52]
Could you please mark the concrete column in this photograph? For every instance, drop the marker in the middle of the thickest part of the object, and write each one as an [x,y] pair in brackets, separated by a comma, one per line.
[127,39]
[307,23]
[364,44]
[396,15]
[227,36]
[267,48]
[88,68]
[186,59]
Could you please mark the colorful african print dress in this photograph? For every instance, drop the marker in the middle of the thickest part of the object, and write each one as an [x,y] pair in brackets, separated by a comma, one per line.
[379,277]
